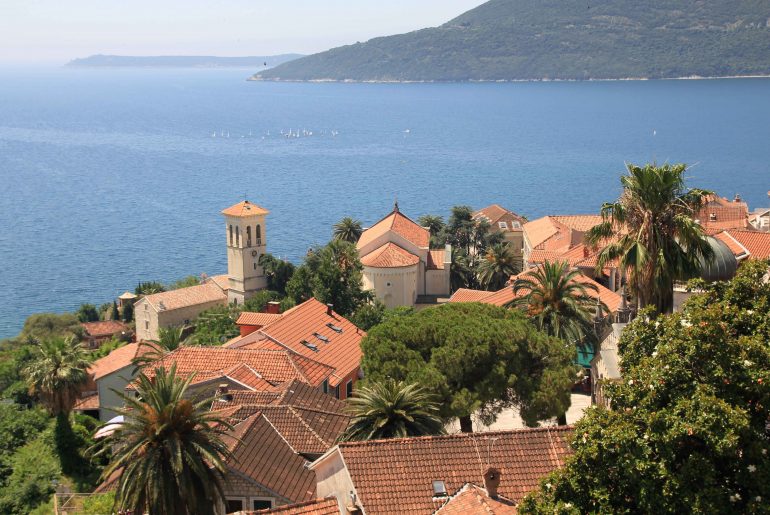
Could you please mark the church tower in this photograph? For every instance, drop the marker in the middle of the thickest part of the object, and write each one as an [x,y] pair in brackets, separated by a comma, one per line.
[246,242]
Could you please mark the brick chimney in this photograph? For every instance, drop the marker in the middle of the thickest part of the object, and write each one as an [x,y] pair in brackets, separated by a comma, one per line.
[492,481]
[273,307]
[329,308]
[223,392]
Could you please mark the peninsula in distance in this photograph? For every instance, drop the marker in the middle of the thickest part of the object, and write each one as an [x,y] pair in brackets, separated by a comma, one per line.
[181,61]
[507,40]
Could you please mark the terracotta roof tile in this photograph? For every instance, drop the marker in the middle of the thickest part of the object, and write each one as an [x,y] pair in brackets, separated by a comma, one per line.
[389,255]
[185,297]
[726,214]
[261,319]
[104,327]
[468,295]
[473,500]
[756,242]
[326,506]
[115,360]
[496,213]
[222,280]
[245,209]
[436,259]
[580,223]
[396,475]
[309,322]
[88,402]
[733,244]
[399,224]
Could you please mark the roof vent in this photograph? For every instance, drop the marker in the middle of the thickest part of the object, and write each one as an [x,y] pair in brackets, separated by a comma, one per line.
[439,489]
[334,328]
[321,337]
[329,308]
[492,481]
[309,345]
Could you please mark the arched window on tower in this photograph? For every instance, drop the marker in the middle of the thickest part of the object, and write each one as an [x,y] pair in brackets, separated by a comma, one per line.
[237,237]
[248,236]
[259,235]
[231,234]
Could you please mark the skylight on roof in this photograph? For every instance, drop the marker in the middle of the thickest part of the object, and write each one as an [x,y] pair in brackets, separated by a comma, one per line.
[321,337]
[309,345]
[439,489]
[334,328]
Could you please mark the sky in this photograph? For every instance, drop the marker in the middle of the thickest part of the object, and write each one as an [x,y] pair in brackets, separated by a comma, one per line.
[56,31]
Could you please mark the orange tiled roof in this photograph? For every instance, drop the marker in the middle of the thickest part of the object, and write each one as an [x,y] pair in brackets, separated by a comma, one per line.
[436,259]
[389,255]
[326,506]
[496,213]
[263,319]
[558,231]
[727,214]
[399,224]
[89,402]
[104,327]
[473,500]
[186,297]
[734,245]
[755,242]
[468,295]
[309,322]
[115,360]
[221,280]
[245,209]
[273,366]
[580,223]
[396,475]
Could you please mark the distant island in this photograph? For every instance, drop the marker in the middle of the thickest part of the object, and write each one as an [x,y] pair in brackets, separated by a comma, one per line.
[507,40]
[182,61]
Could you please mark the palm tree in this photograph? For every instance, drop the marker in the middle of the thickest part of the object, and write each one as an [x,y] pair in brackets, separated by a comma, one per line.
[558,303]
[392,410]
[168,452]
[652,232]
[434,223]
[348,229]
[170,340]
[497,266]
[58,373]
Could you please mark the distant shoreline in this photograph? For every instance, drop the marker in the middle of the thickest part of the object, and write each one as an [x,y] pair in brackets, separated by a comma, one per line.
[486,81]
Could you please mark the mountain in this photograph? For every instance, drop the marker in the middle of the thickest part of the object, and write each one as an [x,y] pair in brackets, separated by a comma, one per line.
[181,61]
[560,39]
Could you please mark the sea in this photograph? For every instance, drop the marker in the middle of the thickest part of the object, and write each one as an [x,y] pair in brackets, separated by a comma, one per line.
[109,177]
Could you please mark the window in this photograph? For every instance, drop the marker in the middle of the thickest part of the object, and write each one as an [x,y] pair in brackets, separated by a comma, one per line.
[516,225]
[259,235]
[349,389]
[233,505]
[255,266]
[147,324]
[334,328]
[326,386]
[439,489]
[502,225]
[309,345]
[321,337]
[248,236]
[262,504]
[237,237]
[231,234]
[337,391]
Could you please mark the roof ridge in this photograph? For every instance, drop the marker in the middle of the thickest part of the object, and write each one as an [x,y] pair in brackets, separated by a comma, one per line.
[485,434]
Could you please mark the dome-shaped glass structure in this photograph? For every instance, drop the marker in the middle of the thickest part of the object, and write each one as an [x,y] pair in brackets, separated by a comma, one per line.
[724,264]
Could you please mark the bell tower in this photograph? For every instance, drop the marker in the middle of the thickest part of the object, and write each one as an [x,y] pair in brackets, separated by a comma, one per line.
[246,242]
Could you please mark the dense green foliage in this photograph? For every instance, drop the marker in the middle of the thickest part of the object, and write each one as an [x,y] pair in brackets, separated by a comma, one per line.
[652,232]
[277,271]
[688,429]
[149,287]
[348,230]
[46,325]
[35,474]
[258,302]
[87,313]
[185,282]
[375,312]
[553,39]
[169,452]
[497,266]
[475,358]
[392,410]
[216,325]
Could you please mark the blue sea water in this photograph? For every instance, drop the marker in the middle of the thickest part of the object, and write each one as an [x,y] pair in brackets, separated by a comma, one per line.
[110,177]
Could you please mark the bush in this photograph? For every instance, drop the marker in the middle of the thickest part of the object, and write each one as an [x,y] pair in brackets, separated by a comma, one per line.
[44,326]
[99,504]
[35,475]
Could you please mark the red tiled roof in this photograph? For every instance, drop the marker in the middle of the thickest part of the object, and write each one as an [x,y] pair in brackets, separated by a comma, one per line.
[115,360]
[89,402]
[263,319]
[245,209]
[389,255]
[222,280]
[580,223]
[186,297]
[399,224]
[104,327]
[326,506]
[757,243]
[436,259]
[468,295]
[473,500]
[342,351]
[728,214]
[734,245]
[558,231]
[396,475]
[495,213]
[272,365]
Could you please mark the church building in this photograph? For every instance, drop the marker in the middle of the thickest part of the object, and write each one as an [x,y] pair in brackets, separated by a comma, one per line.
[246,241]
[399,264]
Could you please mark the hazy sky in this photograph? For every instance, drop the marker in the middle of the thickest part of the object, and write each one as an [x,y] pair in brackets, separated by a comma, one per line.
[59,30]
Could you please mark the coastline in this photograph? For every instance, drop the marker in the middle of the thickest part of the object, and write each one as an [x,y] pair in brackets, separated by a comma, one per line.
[254,78]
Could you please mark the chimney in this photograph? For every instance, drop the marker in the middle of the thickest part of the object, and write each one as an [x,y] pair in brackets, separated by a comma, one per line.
[329,308]
[713,217]
[737,197]
[222,392]
[273,307]
[492,481]
[585,252]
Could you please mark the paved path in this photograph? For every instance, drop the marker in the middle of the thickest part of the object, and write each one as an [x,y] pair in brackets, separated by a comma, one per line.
[509,419]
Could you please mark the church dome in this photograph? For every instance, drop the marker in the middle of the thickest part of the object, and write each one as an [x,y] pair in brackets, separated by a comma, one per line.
[724,264]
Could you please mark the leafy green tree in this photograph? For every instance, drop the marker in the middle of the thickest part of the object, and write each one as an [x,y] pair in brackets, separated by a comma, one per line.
[462,273]
[128,312]
[497,266]
[461,228]
[332,274]
[17,427]
[652,232]
[392,410]
[688,428]
[185,282]
[558,303]
[58,373]
[348,230]
[368,315]
[43,326]
[277,271]
[216,325]
[99,504]
[114,314]
[35,474]
[87,313]
[436,226]
[258,302]
[169,452]
[476,358]
[149,287]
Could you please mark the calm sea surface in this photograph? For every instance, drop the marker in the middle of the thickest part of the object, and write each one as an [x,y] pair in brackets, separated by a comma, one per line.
[110,177]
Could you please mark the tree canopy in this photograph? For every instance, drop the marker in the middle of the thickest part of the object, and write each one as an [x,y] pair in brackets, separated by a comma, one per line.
[475,358]
[688,428]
